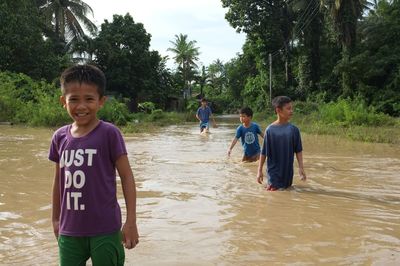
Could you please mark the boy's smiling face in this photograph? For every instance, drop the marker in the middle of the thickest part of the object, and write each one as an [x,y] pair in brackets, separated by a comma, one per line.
[244,119]
[82,102]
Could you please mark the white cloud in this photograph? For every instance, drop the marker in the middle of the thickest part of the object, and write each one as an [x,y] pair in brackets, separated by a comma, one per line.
[202,20]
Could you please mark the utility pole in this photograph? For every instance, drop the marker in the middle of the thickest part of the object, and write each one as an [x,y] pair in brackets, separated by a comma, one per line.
[270,78]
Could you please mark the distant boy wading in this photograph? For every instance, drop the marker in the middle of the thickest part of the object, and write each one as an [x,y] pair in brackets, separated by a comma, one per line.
[281,141]
[204,114]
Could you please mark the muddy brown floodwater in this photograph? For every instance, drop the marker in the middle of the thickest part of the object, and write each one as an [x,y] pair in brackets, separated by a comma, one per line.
[198,207]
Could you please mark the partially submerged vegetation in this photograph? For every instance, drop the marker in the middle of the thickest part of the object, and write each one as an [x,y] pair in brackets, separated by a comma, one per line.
[352,119]
[33,103]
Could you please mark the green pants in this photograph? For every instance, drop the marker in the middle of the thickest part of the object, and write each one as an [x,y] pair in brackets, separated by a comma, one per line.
[104,250]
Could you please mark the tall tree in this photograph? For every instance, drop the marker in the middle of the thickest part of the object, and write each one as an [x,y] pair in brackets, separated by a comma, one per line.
[201,80]
[186,55]
[345,15]
[217,75]
[22,47]
[268,24]
[307,34]
[65,18]
[377,61]
[121,50]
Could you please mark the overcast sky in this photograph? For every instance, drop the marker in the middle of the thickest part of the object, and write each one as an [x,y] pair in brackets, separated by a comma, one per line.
[202,20]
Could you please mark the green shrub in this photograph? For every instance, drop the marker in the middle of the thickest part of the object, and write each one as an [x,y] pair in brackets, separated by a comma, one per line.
[305,107]
[156,115]
[115,112]
[192,105]
[347,112]
[24,100]
[221,103]
[45,110]
[146,107]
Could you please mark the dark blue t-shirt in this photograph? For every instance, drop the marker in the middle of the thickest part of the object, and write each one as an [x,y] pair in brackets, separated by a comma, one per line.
[281,142]
[204,114]
[249,138]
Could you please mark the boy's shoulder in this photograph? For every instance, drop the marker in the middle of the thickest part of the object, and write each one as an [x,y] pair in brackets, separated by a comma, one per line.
[62,131]
[289,126]
[108,125]
[109,128]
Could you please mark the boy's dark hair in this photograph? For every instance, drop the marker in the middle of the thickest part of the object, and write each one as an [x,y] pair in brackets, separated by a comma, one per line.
[203,100]
[88,74]
[246,111]
[280,101]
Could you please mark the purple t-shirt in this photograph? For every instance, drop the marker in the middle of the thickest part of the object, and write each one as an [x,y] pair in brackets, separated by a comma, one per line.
[88,197]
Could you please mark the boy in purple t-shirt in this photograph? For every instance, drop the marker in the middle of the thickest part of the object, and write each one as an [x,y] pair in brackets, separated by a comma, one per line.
[281,141]
[86,215]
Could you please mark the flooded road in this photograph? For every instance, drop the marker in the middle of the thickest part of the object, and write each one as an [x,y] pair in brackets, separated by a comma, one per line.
[198,207]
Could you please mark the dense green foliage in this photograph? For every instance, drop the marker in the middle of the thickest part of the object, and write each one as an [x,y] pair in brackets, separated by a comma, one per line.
[330,48]
[22,46]
[36,103]
[23,100]
[338,59]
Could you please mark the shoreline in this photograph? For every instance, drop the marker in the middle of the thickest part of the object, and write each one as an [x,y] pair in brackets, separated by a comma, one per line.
[382,134]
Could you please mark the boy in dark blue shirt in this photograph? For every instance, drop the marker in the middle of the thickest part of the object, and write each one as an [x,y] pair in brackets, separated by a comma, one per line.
[281,141]
[248,133]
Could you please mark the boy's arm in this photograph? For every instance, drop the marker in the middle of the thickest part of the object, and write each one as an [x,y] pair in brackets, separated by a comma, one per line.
[56,206]
[129,230]
[232,145]
[260,175]
[198,118]
[302,173]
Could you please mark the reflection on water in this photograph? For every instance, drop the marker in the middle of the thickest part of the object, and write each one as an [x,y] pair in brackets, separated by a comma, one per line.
[198,207]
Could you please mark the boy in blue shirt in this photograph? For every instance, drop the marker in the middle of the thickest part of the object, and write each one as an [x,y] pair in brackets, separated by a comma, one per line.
[281,141]
[248,133]
[203,114]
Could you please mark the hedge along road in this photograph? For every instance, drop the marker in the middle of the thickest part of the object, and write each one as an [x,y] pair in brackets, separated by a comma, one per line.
[196,206]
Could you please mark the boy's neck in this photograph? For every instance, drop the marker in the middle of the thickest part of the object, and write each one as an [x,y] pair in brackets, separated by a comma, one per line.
[247,124]
[81,131]
[281,121]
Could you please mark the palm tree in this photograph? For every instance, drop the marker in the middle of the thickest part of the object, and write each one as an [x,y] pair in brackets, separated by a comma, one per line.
[217,75]
[65,16]
[201,79]
[186,54]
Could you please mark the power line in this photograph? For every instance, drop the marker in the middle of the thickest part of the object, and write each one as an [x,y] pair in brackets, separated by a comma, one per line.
[305,10]
[312,15]
[307,20]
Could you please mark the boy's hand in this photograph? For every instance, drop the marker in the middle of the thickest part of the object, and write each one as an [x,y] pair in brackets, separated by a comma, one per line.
[302,174]
[229,152]
[260,178]
[130,235]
